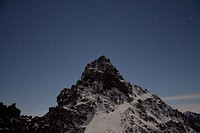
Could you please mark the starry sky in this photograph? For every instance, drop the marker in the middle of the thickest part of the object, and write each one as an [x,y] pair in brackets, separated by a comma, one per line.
[46,44]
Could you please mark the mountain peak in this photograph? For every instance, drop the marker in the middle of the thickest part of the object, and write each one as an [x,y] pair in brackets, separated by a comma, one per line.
[102,64]
[102,97]
[102,70]
[103,58]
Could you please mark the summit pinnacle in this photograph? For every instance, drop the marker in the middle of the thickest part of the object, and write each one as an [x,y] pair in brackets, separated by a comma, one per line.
[102,70]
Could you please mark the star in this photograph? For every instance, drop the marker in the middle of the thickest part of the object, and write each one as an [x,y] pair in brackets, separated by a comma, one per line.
[156,19]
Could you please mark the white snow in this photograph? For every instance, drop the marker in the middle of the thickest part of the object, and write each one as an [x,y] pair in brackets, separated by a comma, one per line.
[65,107]
[105,122]
[122,80]
[95,69]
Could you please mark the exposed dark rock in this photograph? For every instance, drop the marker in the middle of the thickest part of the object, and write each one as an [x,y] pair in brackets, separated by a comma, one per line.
[10,119]
[193,119]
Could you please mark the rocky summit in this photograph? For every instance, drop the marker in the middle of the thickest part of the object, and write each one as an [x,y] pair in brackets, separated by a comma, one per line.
[102,101]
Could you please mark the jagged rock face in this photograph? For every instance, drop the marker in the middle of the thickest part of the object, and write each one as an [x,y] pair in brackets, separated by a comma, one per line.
[10,119]
[99,77]
[10,111]
[60,120]
[193,119]
[103,102]
[102,70]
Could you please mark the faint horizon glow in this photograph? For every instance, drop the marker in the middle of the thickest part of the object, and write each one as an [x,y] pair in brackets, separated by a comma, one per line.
[185,102]
[187,107]
[181,97]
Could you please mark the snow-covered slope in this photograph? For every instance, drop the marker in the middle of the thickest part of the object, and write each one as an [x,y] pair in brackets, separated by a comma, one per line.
[102,101]
[107,121]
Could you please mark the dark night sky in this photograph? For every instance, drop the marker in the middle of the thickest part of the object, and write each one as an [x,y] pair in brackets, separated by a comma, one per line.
[45,45]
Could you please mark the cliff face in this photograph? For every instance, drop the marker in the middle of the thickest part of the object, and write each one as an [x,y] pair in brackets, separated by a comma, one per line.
[102,101]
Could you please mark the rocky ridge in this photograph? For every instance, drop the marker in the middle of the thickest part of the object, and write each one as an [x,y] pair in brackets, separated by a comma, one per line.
[103,102]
